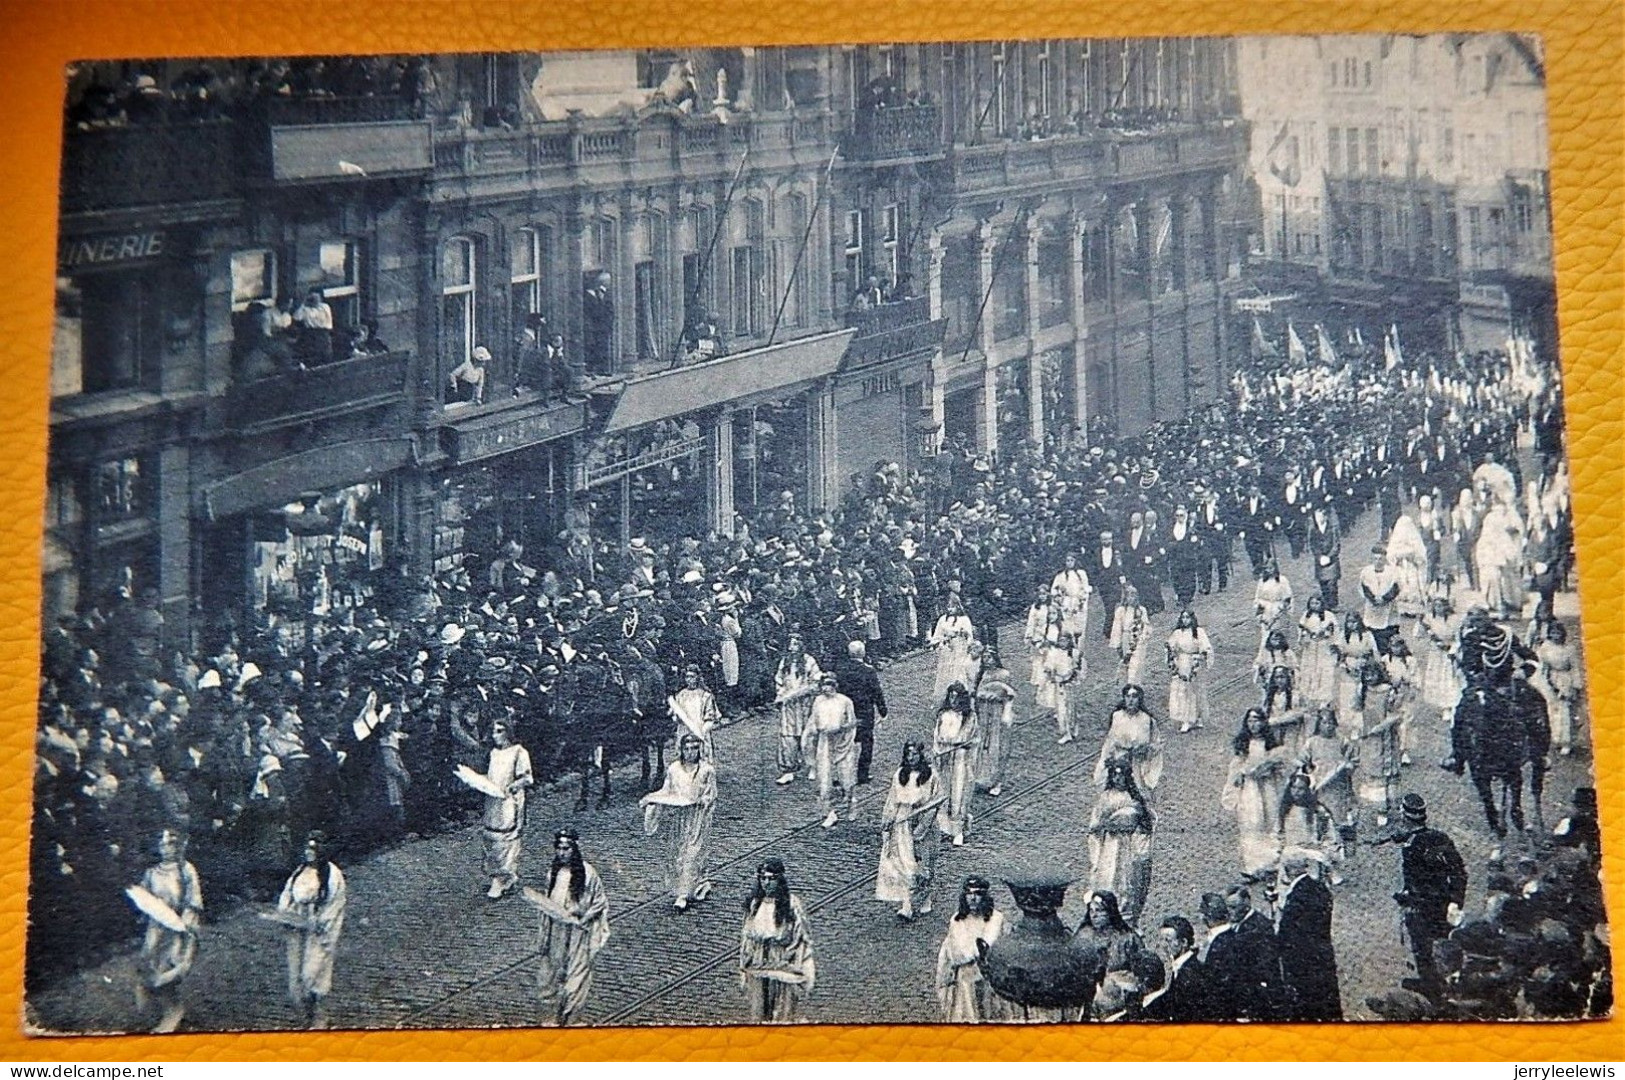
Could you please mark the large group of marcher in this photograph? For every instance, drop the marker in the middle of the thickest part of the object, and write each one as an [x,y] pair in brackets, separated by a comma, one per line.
[277,744]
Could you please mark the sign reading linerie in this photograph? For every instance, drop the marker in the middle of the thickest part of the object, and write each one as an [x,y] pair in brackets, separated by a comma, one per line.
[107,250]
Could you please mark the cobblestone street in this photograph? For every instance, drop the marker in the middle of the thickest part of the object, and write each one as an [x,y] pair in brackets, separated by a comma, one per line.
[424,948]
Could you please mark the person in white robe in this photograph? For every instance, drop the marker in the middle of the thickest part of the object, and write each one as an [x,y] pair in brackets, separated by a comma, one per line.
[503,825]
[1408,555]
[1043,628]
[1190,654]
[909,836]
[574,928]
[954,742]
[965,996]
[1252,792]
[695,710]
[1060,669]
[1130,637]
[684,805]
[1559,683]
[730,630]
[1071,590]
[1132,734]
[952,638]
[833,726]
[169,945]
[777,966]
[1317,667]
[312,910]
[995,700]
[795,682]
[1355,650]
[1119,838]
[1272,602]
[1498,557]
[1436,635]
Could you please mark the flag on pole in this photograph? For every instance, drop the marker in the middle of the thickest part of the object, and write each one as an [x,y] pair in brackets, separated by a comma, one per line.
[1359,338]
[1295,350]
[1261,345]
[1390,351]
[1323,347]
[1393,333]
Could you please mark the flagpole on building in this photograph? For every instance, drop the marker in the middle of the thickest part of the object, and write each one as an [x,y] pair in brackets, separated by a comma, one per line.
[705,263]
[801,251]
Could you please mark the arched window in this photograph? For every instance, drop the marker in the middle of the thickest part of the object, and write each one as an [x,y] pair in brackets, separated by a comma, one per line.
[458,278]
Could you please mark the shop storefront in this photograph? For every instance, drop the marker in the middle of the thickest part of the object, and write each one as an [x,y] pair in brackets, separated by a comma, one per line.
[319,555]
[770,454]
[650,481]
[510,479]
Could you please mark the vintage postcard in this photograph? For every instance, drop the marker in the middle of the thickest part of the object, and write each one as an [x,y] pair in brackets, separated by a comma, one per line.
[1041,531]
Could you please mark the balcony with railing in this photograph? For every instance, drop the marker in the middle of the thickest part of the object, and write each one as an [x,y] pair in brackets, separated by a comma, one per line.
[1103,156]
[298,397]
[909,132]
[892,330]
[137,165]
[564,151]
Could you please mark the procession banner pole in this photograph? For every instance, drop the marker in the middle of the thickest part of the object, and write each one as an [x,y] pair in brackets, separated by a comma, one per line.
[705,263]
[806,235]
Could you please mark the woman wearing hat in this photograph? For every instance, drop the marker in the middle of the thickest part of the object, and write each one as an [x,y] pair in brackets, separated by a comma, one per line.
[468,378]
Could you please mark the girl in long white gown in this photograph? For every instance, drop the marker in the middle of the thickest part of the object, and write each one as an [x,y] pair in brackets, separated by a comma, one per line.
[952,638]
[1252,792]
[1043,628]
[687,800]
[953,742]
[1354,648]
[1272,601]
[1559,682]
[1119,841]
[312,902]
[995,699]
[1130,637]
[1190,653]
[1441,678]
[1317,667]
[965,996]
[1059,668]
[909,835]
[1133,735]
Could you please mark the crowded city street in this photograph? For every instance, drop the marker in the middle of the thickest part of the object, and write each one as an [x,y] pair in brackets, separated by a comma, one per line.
[894,544]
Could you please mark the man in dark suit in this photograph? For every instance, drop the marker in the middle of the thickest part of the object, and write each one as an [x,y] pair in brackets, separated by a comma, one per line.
[1434,888]
[1144,560]
[1106,571]
[1292,510]
[1325,550]
[1256,968]
[1303,938]
[1186,996]
[860,682]
[1186,554]
[1257,521]
[1212,522]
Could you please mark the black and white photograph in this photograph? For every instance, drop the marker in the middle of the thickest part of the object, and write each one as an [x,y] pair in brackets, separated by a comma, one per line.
[1017,532]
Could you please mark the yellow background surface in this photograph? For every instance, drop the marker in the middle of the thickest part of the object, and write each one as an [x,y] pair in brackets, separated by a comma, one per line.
[1583,55]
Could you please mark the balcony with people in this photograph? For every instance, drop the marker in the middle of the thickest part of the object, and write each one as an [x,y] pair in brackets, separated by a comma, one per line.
[891,124]
[156,132]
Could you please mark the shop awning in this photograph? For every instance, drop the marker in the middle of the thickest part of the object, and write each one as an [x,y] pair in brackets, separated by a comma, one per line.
[275,483]
[667,394]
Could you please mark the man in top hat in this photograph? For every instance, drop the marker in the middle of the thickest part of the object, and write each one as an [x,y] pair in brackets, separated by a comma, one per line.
[1434,888]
